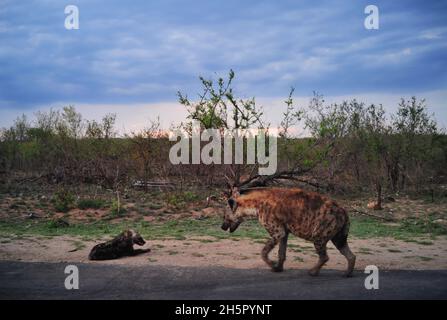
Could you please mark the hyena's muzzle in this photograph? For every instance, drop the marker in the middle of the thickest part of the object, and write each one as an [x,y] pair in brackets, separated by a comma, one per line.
[232,225]
[231,221]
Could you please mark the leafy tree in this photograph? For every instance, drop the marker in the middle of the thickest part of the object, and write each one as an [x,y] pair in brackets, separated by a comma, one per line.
[414,132]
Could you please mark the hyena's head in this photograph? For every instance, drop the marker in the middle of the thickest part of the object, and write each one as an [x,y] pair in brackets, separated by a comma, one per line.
[137,238]
[233,217]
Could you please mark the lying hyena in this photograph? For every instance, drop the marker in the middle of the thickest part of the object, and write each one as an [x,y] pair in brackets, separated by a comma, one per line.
[307,215]
[120,246]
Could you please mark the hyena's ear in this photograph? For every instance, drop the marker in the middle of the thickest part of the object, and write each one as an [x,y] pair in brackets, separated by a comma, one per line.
[225,194]
[232,203]
[235,192]
[134,233]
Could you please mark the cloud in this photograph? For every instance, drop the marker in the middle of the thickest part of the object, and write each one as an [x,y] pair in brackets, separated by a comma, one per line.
[433,34]
[142,54]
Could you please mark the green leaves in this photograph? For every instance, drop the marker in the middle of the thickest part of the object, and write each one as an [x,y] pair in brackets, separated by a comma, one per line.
[217,107]
[63,200]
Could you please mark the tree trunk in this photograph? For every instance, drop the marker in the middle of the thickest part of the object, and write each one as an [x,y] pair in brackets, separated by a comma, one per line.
[379,196]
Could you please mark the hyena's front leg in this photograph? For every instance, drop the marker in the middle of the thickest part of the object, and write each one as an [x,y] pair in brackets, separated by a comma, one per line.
[277,236]
[136,252]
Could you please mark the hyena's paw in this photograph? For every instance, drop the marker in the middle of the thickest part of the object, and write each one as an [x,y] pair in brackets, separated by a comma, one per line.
[314,272]
[277,268]
[347,274]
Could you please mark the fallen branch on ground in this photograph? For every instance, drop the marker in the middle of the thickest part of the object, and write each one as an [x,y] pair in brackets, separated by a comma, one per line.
[373,215]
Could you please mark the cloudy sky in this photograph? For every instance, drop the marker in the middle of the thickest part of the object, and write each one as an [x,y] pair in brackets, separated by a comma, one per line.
[131,57]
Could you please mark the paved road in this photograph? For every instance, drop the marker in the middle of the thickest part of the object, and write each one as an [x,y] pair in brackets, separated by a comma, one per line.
[26,280]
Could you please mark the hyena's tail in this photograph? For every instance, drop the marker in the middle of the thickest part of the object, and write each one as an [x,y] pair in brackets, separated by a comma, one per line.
[340,240]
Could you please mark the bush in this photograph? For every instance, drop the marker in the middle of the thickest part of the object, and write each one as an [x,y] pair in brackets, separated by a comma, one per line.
[91,204]
[180,199]
[63,201]
[117,210]
[58,223]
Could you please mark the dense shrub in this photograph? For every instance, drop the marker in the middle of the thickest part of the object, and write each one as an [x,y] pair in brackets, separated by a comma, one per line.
[90,204]
[63,201]
[116,209]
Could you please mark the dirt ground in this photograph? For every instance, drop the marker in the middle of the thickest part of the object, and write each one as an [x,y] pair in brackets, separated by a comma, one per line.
[386,253]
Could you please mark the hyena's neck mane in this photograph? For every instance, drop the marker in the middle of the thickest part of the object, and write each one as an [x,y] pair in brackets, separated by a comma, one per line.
[251,202]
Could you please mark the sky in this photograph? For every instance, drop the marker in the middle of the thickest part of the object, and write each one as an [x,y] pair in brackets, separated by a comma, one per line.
[131,57]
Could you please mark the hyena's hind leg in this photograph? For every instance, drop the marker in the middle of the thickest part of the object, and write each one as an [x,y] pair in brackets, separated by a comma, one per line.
[136,252]
[281,253]
[320,247]
[340,240]
[278,236]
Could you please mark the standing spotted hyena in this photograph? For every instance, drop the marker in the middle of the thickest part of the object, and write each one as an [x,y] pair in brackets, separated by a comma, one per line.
[307,215]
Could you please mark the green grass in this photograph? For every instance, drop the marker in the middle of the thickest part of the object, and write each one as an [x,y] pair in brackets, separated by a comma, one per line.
[57,224]
[425,258]
[361,227]
[425,224]
[181,199]
[365,227]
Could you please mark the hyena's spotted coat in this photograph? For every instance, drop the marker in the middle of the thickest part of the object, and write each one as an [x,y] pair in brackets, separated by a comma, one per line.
[305,214]
[120,246]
